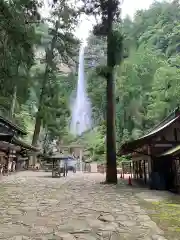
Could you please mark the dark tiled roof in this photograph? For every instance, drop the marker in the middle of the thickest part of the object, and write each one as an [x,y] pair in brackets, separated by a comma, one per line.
[6,146]
[132,145]
[12,125]
[24,145]
[171,116]
[173,151]
[5,137]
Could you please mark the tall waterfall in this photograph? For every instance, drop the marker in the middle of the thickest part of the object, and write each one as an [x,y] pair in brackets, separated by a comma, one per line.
[81,106]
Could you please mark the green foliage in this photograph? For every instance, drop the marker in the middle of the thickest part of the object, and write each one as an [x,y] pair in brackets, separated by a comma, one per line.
[147,84]
[94,142]
[148,81]
[60,48]
[36,56]
[17,40]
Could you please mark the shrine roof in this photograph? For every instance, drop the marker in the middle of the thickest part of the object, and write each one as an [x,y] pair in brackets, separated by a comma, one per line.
[131,146]
[172,152]
[24,145]
[12,125]
[5,137]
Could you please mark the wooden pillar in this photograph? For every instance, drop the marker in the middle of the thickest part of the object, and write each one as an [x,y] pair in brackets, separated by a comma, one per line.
[145,179]
[133,168]
[8,160]
[175,172]
[149,161]
[140,170]
[137,169]
[122,170]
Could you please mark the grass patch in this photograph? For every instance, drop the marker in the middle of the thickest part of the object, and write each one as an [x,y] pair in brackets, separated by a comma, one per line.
[166,214]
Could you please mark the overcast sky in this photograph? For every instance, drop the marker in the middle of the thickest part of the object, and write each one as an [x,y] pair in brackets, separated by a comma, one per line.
[129,7]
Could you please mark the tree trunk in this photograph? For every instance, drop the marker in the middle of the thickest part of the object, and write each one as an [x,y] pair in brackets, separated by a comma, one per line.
[49,59]
[14,97]
[111,168]
[37,127]
[12,109]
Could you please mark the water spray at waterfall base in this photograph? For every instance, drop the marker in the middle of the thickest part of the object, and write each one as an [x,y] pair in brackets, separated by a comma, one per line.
[81,114]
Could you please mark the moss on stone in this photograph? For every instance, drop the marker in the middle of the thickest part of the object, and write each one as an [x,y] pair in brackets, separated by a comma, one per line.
[167,216]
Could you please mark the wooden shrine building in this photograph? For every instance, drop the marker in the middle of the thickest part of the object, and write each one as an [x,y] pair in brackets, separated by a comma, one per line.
[12,148]
[155,156]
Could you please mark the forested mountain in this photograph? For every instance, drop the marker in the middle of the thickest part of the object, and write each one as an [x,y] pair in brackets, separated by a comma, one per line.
[36,87]
[148,80]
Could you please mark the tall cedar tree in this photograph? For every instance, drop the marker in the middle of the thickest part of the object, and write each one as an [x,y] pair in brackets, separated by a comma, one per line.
[108,11]
[62,47]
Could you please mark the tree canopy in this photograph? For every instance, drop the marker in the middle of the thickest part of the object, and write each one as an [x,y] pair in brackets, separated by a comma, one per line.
[39,62]
[147,82]
[37,56]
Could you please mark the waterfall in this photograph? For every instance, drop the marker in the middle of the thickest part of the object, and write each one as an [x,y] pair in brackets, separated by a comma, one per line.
[81,105]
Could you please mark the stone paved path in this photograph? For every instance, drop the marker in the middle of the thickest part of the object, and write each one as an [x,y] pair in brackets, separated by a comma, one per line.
[35,206]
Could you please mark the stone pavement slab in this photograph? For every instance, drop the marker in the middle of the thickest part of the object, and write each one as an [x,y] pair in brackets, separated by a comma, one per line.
[35,206]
